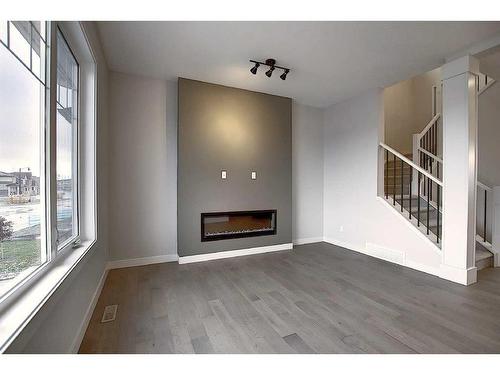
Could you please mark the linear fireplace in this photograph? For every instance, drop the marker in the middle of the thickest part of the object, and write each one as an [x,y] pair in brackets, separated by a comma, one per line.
[237,224]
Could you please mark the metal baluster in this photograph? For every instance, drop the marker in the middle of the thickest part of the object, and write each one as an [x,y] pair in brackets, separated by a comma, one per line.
[438,199]
[425,167]
[431,162]
[428,202]
[402,178]
[418,199]
[436,139]
[411,179]
[485,212]
[431,140]
[386,176]
[394,181]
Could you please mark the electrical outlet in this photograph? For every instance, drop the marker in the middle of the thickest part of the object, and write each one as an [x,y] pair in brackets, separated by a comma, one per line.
[341,228]
[254,175]
[223,175]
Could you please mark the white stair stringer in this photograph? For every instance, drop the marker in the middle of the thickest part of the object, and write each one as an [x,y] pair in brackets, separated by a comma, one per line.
[421,229]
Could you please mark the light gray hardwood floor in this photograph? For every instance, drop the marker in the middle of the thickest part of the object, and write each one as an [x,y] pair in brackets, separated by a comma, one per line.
[318,298]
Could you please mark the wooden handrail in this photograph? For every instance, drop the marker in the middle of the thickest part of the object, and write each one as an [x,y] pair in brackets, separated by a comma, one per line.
[427,127]
[411,163]
[423,150]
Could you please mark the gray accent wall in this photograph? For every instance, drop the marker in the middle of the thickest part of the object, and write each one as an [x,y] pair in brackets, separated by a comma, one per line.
[240,131]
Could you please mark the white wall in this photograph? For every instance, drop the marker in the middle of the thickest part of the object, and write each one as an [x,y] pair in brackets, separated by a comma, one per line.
[307,173]
[353,214]
[488,141]
[57,325]
[489,132]
[143,167]
[408,109]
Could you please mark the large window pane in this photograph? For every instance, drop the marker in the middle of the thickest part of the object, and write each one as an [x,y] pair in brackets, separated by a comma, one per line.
[66,154]
[3,31]
[22,248]
[19,40]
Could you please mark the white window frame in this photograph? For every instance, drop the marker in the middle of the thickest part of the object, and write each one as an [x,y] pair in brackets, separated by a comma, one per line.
[19,305]
[75,238]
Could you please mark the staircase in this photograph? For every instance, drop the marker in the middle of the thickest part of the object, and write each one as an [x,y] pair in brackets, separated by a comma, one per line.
[414,192]
[413,182]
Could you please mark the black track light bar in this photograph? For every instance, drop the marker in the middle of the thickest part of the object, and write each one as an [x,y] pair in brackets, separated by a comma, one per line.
[270,63]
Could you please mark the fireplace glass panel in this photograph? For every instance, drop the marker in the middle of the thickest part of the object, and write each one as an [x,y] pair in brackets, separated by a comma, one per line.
[235,224]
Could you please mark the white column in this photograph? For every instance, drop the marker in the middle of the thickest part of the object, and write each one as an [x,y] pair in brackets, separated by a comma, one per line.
[495,226]
[459,169]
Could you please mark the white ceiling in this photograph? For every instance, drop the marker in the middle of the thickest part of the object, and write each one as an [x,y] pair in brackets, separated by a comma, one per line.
[329,61]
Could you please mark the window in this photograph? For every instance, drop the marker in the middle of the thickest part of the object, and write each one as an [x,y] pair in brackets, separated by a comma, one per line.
[67,143]
[42,139]
[22,113]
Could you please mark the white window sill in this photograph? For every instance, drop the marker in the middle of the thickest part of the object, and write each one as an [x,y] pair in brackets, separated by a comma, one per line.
[18,310]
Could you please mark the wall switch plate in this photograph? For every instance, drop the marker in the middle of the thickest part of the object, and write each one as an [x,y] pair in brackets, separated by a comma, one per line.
[341,229]
[223,175]
[254,175]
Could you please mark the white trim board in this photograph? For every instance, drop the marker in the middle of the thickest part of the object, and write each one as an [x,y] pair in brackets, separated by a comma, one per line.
[234,253]
[304,241]
[134,262]
[75,346]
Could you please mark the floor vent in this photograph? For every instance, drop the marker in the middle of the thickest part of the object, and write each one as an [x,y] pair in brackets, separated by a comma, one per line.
[391,255]
[109,313]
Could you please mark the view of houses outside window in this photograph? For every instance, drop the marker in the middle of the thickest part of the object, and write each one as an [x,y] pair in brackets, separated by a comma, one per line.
[23,203]
[21,154]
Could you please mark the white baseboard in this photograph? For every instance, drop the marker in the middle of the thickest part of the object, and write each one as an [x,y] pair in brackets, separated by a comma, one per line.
[434,271]
[88,315]
[346,245]
[373,250]
[304,241]
[457,275]
[141,261]
[234,253]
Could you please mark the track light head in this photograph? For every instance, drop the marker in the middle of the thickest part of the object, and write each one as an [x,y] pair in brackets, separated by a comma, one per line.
[283,76]
[269,73]
[254,69]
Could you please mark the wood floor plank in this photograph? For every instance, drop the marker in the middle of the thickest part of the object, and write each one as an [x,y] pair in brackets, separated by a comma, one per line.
[318,298]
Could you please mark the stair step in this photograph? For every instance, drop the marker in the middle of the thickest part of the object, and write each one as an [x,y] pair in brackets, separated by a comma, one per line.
[484,259]
[390,179]
[390,169]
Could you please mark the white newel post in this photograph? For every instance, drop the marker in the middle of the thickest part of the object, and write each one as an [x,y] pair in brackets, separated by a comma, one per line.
[459,169]
[495,227]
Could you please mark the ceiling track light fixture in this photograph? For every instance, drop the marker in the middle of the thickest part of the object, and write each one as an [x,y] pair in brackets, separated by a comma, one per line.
[271,63]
